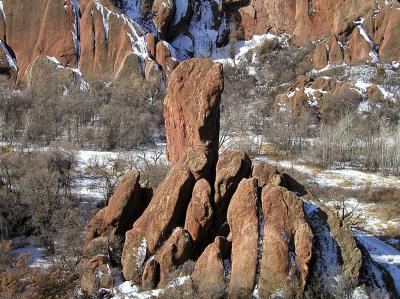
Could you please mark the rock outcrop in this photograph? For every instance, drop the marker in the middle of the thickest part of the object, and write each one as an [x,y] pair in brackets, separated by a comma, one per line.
[243,222]
[192,110]
[168,206]
[281,243]
[209,273]
[287,244]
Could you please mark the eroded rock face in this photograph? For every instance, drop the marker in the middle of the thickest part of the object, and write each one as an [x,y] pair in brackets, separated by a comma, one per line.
[176,251]
[266,174]
[95,274]
[163,11]
[200,213]
[168,206]
[243,222]
[124,207]
[232,167]
[209,272]
[287,244]
[191,109]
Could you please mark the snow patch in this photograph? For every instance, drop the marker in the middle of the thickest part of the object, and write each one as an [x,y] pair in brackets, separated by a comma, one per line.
[11,61]
[141,253]
[383,254]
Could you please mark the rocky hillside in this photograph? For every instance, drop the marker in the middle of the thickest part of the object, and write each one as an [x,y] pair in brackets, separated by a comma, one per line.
[94,38]
[251,230]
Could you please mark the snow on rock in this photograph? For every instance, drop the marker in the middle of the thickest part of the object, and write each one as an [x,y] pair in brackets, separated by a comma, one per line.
[383,254]
[2,9]
[181,10]
[105,12]
[184,46]
[11,61]
[76,32]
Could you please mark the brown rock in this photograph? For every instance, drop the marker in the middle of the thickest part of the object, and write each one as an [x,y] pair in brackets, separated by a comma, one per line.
[191,110]
[209,272]
[95,274]
[374,94]
[175,252]
[335,53]
[41,27]
[287,244]
[359,47]
[199,214]
[168,206]
[104,52]
[151,275]
[163,12]
[44,72]
[266,174]
[243,222]
[388,23]
[124,207]
[151,42]
[320,58]
[162,53]
[232,167]
[130,76]
[170,65]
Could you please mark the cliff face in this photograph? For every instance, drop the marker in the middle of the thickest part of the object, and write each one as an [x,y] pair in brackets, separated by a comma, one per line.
[96,36]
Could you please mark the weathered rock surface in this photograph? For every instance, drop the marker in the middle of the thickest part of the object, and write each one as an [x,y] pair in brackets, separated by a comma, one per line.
[124,207]
[287,244]
[232,167]
[163,11]
[200,213]
[209,272]
[192,107]
[266,174]
[243,222]
[168,206]
[176,251]
[95,275]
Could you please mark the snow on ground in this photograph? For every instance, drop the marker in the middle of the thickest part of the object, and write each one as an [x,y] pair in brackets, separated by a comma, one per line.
[344,178]
[22,246]
[242,47]
[127,290]
[383,254]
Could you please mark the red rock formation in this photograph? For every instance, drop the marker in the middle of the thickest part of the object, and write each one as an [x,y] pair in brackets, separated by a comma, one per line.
[266,174]
[232,167]
[191,109]
[168,206]
[176,251]
[287,244]
[335,52]
[124,207]
[320,57]
[387,25]
[40,27]
[199,214]
[95,274]
[243,222]
[163,11]
[209,272]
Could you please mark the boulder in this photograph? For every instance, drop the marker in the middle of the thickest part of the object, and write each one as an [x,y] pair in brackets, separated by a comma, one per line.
[151,275]
[387,24]
[95,274]
[266,174]
[176,251]
[47,73]
[168,206]
[191,109]
[359,48]
[243,222]
[209,272]
[163,11]
[335,52]
[162,52]
[287,244]
[199,214]
[320,57]
[231,168]
[124,207]
[151,42]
